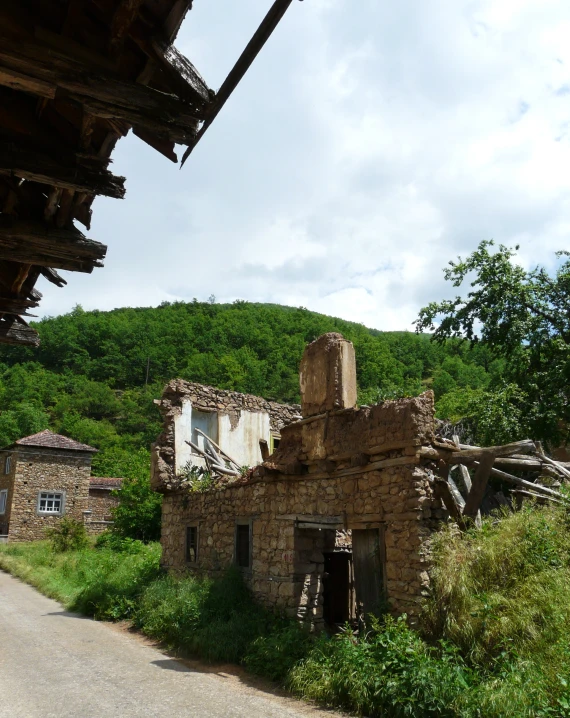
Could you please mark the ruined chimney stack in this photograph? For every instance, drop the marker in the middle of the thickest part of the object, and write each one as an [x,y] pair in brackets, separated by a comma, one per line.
[327,375]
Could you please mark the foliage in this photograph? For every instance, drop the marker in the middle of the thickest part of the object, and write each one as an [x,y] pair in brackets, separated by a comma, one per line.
[388,672]
[496,416]
[196,478]
[138,513]
[67,535]
[522,316]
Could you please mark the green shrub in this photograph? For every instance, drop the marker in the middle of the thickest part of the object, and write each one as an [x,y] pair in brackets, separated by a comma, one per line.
[388,672]
[276,654]
[68,535]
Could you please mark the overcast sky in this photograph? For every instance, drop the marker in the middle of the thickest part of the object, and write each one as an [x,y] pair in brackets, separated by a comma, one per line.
[370,143]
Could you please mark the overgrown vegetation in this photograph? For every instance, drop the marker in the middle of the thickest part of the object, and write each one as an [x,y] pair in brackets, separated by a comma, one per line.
[493,640]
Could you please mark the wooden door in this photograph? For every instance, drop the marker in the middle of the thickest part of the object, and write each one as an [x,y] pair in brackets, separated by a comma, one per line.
[367,556]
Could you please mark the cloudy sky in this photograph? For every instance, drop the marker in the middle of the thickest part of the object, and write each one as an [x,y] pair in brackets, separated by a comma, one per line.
[370,143]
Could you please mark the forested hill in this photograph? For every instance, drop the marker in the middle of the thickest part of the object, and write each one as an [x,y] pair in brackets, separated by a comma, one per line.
[88,379]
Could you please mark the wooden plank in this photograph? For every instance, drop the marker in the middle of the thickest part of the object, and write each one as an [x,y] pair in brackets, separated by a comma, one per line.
[16,305]
[18,81]
[31,242]
[52,276]
[35,167]
[443,491]
[367,556]
[15,331]
[480,481]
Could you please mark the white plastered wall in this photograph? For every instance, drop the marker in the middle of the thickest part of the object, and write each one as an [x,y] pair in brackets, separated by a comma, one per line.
[241,442]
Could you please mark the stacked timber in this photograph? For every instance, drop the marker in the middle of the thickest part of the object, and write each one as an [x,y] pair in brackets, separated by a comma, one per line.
[463,474]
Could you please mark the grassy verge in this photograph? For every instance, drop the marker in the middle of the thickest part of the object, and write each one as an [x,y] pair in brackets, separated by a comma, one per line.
[494,643]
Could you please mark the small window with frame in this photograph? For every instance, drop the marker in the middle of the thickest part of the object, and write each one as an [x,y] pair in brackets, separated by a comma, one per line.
[51,503]
[7,464]
[243,544]
[3,500]
[192,544]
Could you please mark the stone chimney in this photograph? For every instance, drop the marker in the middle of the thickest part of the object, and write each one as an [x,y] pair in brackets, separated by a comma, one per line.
[328,375]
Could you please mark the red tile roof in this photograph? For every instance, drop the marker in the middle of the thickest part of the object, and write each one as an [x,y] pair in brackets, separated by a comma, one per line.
[49,440]
[100,482]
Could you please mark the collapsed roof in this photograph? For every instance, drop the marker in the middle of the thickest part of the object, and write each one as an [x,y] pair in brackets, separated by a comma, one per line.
[76,76]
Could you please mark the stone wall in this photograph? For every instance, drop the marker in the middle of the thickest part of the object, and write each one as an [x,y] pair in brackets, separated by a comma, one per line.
[6,482]
[101,503]
[38,470]
[206,399]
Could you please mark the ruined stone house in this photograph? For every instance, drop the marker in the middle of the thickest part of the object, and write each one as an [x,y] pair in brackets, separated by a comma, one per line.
[336,522]
[45,477]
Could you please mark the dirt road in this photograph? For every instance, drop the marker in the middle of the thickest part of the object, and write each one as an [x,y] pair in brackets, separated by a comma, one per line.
[55,664]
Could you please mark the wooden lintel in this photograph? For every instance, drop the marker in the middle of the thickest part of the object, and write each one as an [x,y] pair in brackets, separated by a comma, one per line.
[31,242]
[34,167]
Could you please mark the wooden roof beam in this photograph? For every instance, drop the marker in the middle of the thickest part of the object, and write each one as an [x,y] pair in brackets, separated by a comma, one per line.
[34,167]
[102,95]
[32,242]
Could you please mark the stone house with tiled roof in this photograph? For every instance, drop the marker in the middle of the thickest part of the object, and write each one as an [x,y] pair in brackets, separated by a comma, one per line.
[45,477]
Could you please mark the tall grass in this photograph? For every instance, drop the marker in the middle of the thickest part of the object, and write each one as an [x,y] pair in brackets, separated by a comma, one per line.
[494,638]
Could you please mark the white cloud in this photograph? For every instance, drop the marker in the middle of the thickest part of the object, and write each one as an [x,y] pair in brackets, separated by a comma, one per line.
[369,144]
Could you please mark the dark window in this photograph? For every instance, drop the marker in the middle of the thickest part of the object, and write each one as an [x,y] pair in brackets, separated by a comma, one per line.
[191,544]
[243,545]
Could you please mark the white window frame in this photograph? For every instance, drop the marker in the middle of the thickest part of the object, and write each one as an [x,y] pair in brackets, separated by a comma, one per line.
[8,464]
[3,500]
[51,495]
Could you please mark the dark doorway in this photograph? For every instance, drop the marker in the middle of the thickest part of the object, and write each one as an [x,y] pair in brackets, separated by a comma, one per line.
[368,557]
[337,588]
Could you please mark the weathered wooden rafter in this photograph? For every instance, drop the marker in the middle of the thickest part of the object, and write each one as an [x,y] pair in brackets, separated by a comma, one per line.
[32,242]
[34,167]
[101,94]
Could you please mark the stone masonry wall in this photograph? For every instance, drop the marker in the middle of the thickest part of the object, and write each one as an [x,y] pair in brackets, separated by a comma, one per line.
[38,470]
[288,561]
[6,482]
[101,504]
[207,398]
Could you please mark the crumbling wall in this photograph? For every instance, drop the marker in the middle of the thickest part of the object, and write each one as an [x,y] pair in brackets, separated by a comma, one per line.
[228,404]
[394,491]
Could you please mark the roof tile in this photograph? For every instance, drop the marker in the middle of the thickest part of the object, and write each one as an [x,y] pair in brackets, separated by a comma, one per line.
[49,440]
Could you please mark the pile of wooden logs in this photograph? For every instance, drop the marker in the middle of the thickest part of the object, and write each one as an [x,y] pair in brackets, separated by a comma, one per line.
[464,471]
[218,464]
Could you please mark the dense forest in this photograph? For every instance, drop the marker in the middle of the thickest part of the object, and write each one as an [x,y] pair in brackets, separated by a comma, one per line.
[96,374]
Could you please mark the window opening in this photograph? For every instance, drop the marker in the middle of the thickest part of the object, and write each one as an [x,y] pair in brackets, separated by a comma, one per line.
[3,500]
[50,502]
[243,545]
[7,464]
[191,544]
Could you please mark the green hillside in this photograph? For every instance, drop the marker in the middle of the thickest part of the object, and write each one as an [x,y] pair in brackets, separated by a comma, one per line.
[88,379]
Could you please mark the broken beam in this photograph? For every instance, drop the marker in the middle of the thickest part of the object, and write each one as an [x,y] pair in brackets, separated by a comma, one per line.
[102,94]
[31,242]
[34,167]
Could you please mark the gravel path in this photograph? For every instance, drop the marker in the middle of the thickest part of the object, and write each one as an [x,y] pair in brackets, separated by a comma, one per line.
[56,664]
